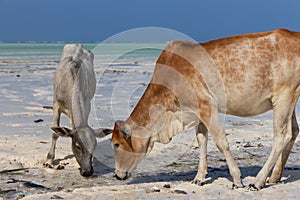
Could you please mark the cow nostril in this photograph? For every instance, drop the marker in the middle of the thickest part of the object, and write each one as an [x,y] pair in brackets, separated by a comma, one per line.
[118,177]
[121,179]
[87,173]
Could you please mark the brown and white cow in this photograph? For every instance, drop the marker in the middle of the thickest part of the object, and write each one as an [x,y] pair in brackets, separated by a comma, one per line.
[244,75]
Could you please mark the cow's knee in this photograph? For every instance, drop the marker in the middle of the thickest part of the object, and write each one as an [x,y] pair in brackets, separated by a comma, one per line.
[222,144]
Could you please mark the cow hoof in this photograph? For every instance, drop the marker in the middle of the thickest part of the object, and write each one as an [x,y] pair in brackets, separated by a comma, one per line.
[198,182]
[252,187]
[273,180]
[236,186]
[47,165]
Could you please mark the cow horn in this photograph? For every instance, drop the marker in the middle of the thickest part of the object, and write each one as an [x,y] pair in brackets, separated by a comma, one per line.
[124,128]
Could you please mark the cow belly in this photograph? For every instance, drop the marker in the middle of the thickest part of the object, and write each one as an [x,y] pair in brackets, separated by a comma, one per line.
[248,107]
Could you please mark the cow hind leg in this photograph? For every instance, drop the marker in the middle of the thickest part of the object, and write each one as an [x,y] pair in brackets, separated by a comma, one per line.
[282,136]
[201,134]
[279,166]
[51,153]
[214,126]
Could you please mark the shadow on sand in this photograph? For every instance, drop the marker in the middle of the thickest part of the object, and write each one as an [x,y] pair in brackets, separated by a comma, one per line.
[214,173]
[59,160]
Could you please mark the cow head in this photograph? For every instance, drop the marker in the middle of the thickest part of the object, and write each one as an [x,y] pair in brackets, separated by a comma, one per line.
[151,121]
[83,145]
[128,148]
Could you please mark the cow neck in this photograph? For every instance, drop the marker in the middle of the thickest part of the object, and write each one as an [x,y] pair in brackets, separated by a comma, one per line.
[79,110]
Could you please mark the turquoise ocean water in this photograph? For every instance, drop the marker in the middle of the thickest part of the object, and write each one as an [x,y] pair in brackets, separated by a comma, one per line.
[123,71]
[15,55]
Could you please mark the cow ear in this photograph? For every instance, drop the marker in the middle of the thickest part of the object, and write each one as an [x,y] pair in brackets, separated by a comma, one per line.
[62,131]
[102,132]
[124,128]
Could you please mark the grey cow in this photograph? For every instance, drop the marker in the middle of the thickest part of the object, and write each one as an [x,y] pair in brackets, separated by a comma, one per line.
[74,87]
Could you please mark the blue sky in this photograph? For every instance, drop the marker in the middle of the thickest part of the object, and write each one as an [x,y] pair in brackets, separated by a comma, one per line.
[96,20]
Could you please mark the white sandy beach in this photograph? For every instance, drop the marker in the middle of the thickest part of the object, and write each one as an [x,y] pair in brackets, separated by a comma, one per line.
[166,173]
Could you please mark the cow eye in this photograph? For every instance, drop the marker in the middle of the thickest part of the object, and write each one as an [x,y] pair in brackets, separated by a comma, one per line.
[116,145]
[77,146]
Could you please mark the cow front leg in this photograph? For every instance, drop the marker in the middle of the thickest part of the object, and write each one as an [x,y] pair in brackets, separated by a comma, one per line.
[201,134]
[214,126]
[51,153]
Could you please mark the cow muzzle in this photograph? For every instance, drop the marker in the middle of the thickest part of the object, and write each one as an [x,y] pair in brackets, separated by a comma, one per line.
[122,175]
[87,173]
